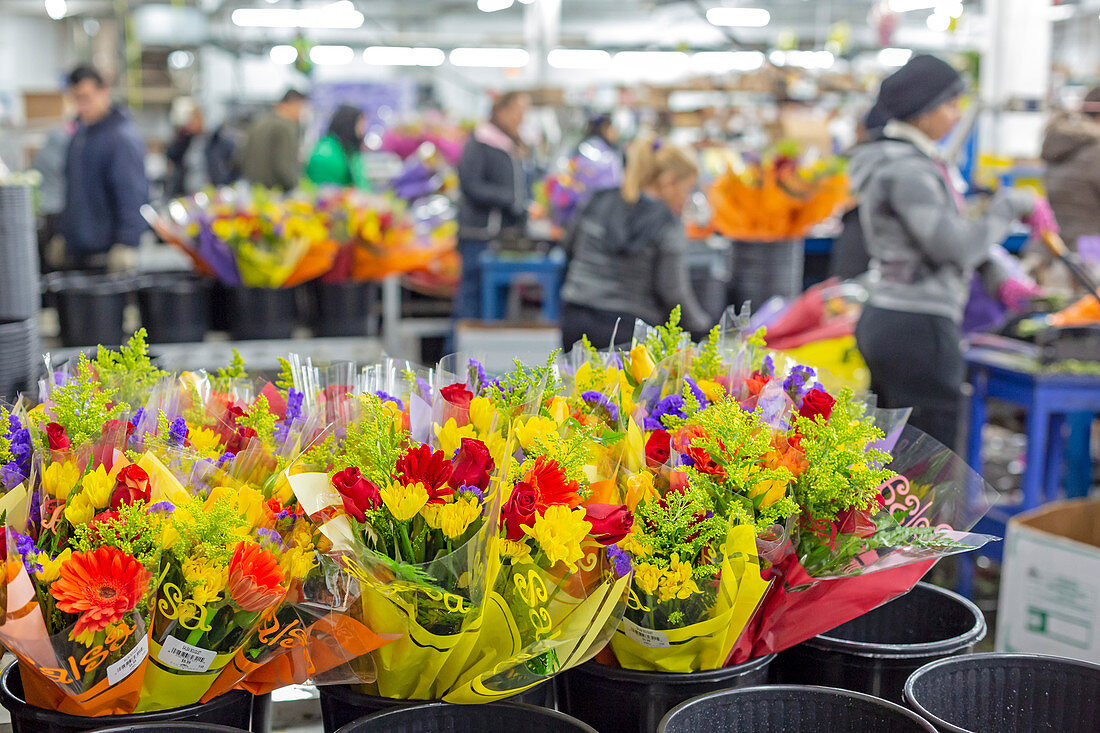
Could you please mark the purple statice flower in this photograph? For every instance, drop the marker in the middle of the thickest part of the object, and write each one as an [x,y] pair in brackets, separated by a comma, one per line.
[598,399]
[18,469]
[24,545]
[697,392]
[293,412]
[60,379]
[162,506]
[386,397]
[139,415]
[472,491]
[424,389]
[620,560]
[283,515]
[223,459]
[177,432]
[685,460]
[616,360]
[671,405]
[768,367]
[269,538]
[797,381]
[477,370]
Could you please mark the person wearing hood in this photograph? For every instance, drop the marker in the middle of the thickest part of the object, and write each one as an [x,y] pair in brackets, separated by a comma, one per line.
[495,193]
[337,157]
[848,258]
[105,181]
[1071,150]
[924,248]
[626,250]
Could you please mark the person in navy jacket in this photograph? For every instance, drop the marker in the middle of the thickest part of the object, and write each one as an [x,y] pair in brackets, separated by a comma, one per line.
[105,182]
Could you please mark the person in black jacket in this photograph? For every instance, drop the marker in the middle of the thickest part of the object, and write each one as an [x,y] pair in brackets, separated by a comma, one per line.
[495,193]
[105,178]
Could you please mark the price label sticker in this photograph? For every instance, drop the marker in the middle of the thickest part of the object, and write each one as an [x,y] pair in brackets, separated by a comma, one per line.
[129,663]
[185,657]
[646,637]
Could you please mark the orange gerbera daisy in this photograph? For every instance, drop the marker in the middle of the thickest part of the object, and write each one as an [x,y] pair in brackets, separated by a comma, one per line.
[255,577]
[102,586]
[548,480]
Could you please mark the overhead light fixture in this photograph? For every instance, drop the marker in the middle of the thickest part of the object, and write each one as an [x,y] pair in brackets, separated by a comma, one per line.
[906,6]
[403,56]
[283,54]
[803,59]
[739,17]
[335,15]
[894,56]
[492,6]
[938,22]
[719,61]
[331,55]
[56,9]
[493,58]
[180,59]
[578,58]
[651,60]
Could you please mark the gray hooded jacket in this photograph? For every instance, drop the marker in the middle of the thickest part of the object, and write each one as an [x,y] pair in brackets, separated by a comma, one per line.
[923,250]
[630,258]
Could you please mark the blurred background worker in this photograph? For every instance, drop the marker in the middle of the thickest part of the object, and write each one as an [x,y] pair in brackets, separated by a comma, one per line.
[337,159]
[270,156]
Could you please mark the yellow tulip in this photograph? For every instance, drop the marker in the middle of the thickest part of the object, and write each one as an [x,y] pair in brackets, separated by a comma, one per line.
[641,364]
[481,414]
[59,479]
[98,486]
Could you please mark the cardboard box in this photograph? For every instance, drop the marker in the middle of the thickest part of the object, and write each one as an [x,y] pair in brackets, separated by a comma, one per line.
[43,106]
[1050,582]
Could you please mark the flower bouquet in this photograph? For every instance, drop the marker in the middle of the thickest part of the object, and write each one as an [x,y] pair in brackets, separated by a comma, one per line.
[594,168]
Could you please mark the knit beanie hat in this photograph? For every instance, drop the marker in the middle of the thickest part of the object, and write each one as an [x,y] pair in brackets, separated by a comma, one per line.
[920,86]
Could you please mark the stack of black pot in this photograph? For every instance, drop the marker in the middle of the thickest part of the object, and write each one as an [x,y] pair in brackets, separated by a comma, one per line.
[19,295]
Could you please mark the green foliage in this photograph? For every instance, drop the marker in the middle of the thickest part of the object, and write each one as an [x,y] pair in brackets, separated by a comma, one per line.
[261,419]
[321,456]
[5,441]
[592,351]
[708,362]
[666,340]
[375,443]
[129,371]
[756,338]
[136,531]
[571,452]
[83,404]
[842,473]
[520,386]
[678,524]
[285,379]
[209,531]
[234,370]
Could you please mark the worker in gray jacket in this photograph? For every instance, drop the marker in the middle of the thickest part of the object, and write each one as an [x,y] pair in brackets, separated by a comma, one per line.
[626,251]
[924,248]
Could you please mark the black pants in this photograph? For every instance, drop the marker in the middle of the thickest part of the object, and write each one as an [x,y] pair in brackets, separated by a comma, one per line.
[597,324]
[915,361]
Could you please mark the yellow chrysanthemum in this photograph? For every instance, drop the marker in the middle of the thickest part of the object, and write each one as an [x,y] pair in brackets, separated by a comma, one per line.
[450,435]
[457,516]
[297,562]
[677,581]
[51,569]
[636,549]
[517,552]
[404,500]
[79,510]
[98,486]
[86,637]
[559,532]
[203,440]
[59,479]
[481,415]
[646,577]
[431,515]
[534,427]
[207,579]
[641,363]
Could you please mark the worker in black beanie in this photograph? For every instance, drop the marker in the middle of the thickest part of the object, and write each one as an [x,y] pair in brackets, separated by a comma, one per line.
[924,248]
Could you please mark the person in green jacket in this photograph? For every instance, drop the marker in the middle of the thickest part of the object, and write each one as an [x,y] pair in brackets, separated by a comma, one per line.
[337,157]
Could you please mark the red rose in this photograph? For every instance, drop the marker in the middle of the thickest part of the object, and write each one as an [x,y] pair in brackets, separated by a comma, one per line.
[519,511]
[857,522]
[817,402]
[240,440]
[358,493]
[457,395]
[132,484]
[610,522]
[657,449]
[472,465]
[56,436]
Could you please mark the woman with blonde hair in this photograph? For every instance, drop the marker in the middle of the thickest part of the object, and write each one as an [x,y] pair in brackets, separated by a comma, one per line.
[626,251]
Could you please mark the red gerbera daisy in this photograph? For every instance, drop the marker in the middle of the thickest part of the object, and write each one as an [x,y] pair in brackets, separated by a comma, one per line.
[421,465]
[255,578]
[102,586]
[548,480]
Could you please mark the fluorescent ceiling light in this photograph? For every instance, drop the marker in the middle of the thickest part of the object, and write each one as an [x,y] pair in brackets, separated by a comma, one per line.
[500,58]
[739,17]
[803,59]
[491,6]
[336,15]
[938,22]
[180,59]
[905,6]
[651,60]
[403,56]
[578,58]
[894,56]
[331,55]
[727,61]
[56,9]
[283,54]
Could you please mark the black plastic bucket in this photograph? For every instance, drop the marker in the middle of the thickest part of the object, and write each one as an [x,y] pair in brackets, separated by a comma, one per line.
[1007,692]
[261,313]
[342,309]
[875,653]
[616,700]
[791,709]
[90,307]
[175,307]
[439,716]
[171,728]
[340,704]
[233,709]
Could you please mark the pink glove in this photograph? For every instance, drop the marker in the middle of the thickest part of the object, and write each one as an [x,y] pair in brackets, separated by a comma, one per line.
[1042,218]
[1016,293]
